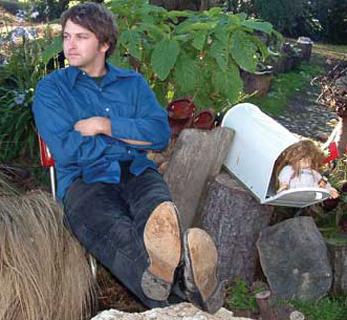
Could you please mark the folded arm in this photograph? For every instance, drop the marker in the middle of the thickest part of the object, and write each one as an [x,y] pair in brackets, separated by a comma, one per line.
[56,126]
[149,128]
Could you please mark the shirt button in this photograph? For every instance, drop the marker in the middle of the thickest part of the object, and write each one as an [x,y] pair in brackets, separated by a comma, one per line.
[100,89]
[107,109]
[129,151]
[84,73]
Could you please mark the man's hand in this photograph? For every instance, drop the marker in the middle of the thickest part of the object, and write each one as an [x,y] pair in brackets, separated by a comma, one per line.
[94,126]
[101,125]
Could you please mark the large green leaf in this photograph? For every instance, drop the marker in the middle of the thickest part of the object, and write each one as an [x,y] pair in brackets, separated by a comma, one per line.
[199,40]
[164,57]
[152,30]
[119,60]
[178,14]
[220,33]
[228,82]
[131,40]
[218,51]
[52,50]
[186,73]
[243,50]
[258,25]
[189,26]
[214,11]
[261,46]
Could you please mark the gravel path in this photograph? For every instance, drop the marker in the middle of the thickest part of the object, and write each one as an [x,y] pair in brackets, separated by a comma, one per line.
[306,117]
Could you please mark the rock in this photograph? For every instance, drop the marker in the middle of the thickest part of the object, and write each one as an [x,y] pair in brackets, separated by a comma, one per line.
[198,156]
[234,218]
[294,259]
[338,259]
[182,311]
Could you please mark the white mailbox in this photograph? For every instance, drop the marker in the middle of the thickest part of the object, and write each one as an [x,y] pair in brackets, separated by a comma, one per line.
[258,142]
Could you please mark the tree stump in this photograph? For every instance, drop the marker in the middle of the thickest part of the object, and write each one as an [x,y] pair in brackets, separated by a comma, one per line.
[197,157]
[338,260]
[234,218]
[271,309]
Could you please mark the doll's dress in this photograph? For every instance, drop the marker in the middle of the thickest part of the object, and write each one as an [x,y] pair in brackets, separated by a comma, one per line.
[305,178]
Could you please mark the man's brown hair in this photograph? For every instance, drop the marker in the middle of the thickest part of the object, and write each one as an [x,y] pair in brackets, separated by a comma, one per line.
[97,19]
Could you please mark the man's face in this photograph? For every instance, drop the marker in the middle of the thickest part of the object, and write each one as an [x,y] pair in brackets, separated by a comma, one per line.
[82,48]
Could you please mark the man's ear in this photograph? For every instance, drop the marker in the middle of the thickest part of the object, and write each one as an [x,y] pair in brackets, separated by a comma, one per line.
[103,47]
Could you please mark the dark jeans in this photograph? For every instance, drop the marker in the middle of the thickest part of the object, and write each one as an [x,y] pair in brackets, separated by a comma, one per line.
[109,221]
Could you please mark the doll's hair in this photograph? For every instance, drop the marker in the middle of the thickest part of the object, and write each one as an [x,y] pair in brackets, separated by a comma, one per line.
[297,151]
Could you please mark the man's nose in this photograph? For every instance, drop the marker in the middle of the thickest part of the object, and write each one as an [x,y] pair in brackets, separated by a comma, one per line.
[70,43]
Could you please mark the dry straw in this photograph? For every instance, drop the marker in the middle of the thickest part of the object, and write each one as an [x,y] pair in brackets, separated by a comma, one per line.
[44,273]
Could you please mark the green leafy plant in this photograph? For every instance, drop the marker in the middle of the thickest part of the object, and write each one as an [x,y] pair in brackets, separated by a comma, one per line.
[183,53]
[334,222]
[18,79]
[240,297]
[324,309]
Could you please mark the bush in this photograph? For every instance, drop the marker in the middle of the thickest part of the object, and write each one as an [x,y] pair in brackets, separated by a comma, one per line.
[319,19]
[12,6]
[183,53]
[335,22]
[292,18]
[18,79]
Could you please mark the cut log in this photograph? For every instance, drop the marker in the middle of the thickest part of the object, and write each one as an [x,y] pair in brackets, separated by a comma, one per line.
[338,260]
[197,157]
[234,218]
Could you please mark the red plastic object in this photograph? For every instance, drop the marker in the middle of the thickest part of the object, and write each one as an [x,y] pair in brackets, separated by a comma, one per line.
[46,157]
[204,120]
[333,153]
[181,114]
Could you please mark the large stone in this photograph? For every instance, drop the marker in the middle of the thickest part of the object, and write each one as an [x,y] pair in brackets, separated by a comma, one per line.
[182,311]
[294,259]
[234,218]
[338,259]
[198,156]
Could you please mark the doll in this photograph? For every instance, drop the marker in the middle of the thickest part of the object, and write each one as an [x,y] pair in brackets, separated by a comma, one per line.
[298,167]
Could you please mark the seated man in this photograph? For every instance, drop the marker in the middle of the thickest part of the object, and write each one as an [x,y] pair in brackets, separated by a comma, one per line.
[99,121]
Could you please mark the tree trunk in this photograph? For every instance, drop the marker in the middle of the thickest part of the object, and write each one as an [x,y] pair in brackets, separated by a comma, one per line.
[234,218]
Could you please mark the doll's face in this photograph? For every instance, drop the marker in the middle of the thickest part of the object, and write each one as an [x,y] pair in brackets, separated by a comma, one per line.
[305,163]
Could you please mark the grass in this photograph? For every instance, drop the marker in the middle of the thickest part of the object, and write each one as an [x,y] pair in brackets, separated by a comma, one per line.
[331,51]
[285,86]
[324,309]
[239,297]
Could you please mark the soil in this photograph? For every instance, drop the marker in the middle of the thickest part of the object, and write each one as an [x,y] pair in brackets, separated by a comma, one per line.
[113,295]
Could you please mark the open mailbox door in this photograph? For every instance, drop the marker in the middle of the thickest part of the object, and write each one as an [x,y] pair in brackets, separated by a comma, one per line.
[258,141]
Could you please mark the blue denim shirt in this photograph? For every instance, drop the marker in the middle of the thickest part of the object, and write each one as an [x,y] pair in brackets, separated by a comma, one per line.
[68,95]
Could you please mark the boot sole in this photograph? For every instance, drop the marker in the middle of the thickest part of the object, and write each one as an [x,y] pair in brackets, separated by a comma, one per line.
[163,244]
[200,273]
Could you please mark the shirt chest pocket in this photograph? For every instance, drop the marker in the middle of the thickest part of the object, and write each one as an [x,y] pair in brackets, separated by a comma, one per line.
[120,109]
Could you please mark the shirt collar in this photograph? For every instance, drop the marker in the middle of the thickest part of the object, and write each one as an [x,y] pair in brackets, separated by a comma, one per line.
[112,74]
